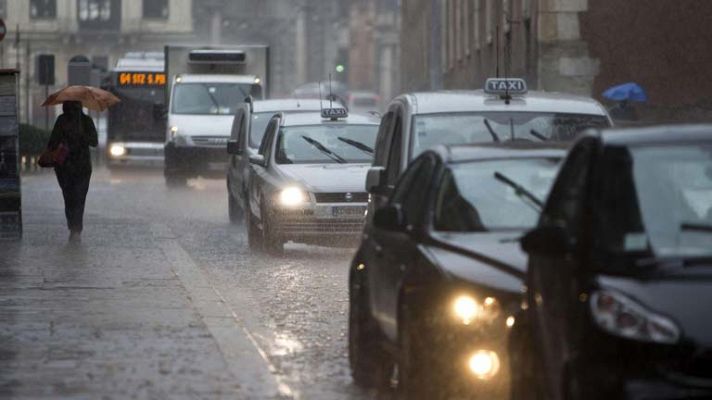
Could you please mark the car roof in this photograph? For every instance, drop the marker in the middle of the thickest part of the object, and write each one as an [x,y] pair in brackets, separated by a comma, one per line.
[665,134]
[315,118]
[500,150]
[277,105]
[217,78]
[478,100]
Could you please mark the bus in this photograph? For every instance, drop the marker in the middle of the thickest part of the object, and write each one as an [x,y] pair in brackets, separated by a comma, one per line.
[136,126]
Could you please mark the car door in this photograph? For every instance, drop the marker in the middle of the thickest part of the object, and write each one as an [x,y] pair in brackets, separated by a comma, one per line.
[552,283]
[397,249]
[259,173]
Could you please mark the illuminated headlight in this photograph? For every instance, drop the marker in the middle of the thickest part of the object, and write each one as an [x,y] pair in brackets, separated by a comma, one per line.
[468,309]
[257,81]
[624,317]
[174,131]
[117,150]
[484,364]
[292,196]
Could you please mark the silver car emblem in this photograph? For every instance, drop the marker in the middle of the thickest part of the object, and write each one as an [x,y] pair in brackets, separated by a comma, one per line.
[348,196]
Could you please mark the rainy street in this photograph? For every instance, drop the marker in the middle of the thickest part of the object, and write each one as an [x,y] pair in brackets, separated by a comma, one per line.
[162,299]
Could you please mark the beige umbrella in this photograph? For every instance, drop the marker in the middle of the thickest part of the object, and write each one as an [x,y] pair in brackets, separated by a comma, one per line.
[92,98]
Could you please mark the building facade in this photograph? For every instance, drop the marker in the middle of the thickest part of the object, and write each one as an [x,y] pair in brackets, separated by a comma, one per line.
[574,46]
[101,30]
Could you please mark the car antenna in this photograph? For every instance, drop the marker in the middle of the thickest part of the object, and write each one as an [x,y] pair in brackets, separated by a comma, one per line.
[331,95]
[321,106]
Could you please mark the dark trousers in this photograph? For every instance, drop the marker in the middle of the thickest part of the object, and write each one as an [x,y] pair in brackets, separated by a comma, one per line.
[74,189]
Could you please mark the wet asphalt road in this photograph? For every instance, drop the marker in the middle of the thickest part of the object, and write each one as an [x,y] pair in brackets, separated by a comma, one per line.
[278,323]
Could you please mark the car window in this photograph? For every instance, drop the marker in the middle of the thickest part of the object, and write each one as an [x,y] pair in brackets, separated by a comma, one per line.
[475,196]
[265,143]
[382,142]
[565,205]
[394,153]
[412,190]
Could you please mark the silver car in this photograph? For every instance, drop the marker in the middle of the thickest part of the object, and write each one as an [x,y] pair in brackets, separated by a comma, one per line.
[248,127]
[306,183]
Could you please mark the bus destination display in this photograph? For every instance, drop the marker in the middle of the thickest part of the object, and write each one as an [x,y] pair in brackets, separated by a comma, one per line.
[142,79]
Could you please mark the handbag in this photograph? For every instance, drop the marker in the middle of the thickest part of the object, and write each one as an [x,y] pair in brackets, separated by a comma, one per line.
[54,158]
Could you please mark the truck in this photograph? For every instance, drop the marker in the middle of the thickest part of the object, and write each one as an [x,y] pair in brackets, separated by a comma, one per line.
[205,86]
[136,126]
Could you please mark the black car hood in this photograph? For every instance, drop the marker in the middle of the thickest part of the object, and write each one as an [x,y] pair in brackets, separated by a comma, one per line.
[492,259]
[685,298]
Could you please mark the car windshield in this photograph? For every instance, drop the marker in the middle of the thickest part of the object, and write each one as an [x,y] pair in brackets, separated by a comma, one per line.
[326,143]
[480,196]
[656,199]
[209,98]
[433,129]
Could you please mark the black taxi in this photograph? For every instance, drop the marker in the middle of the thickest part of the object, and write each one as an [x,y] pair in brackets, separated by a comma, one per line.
[439,285]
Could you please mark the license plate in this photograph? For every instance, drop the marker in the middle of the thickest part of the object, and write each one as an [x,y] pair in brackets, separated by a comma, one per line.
[348,211]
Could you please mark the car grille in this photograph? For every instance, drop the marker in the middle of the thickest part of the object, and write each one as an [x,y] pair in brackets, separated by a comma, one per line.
[345,197]
[317,227]
[209,141]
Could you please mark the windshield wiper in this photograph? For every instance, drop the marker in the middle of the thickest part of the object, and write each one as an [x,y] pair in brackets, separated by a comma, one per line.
[491,131]
[520,191]
[538,135]
[324,150]
[356,144]
[695,227]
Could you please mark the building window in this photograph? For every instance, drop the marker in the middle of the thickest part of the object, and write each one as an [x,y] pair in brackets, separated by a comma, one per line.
[466,21]
[43,9]
[99,15]
[451,33]
[3,8]
[155,9]
[458,28]
[94,10]
[444,33]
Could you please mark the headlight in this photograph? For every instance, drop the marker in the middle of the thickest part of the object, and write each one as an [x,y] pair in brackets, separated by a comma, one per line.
[117,150]
[468,309]
[174,131]
[484,364]
[292,196]
[624,317]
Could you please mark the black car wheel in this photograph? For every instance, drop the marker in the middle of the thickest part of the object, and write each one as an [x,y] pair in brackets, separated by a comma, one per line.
[420,375]
[235,211]
[370,365]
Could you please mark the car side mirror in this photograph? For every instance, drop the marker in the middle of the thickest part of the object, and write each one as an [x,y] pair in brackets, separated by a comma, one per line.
[258,159]
[548,241]
[233,147]
[389,218]
[375,178]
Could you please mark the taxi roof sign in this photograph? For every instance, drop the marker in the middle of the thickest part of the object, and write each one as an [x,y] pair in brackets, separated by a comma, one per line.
[505,86]
[334,113]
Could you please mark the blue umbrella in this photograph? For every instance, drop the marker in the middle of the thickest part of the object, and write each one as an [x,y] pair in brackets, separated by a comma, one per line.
[626,91]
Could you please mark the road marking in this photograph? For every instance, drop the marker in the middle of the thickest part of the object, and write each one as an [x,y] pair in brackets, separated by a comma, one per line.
[247,360]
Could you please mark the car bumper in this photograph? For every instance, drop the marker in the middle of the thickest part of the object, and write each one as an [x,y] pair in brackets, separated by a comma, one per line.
[196,160]
[136,153]
[320,224]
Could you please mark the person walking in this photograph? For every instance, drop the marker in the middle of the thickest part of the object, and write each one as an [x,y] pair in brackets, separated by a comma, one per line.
[77,132]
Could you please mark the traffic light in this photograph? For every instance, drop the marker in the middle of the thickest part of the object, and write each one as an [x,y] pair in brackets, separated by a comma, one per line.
[340,68]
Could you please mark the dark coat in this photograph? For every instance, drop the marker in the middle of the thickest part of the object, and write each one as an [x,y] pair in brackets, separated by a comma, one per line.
[78,138]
